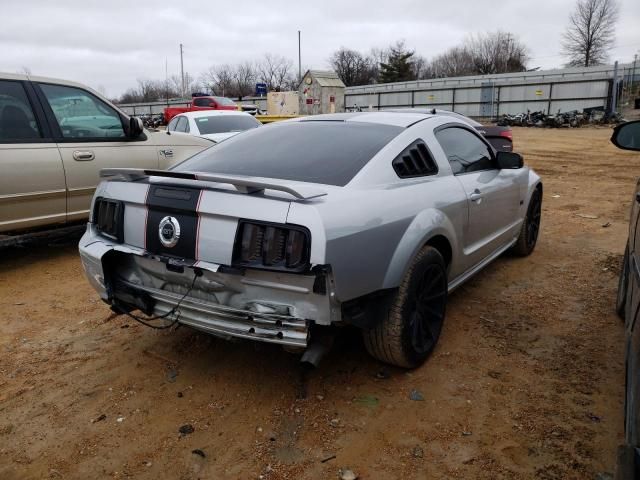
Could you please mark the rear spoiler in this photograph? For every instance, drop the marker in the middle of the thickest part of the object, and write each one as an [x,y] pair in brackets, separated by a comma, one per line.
[242,184]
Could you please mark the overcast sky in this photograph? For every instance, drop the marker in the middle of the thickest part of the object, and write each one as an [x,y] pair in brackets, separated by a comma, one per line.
[108,44]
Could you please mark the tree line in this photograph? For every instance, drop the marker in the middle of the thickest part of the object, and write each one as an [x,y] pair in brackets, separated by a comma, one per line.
[227,80]
[587,40]
[488,53]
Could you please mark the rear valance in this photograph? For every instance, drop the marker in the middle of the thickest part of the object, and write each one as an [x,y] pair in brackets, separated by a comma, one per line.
[242,184]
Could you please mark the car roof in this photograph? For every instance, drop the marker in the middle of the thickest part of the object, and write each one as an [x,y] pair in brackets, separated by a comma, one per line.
[436,111]
[214,113]
[398,119]
[36,78]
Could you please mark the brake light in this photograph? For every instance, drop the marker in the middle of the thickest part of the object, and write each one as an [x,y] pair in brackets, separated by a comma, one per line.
[507,133]
[275,247]
[108,217]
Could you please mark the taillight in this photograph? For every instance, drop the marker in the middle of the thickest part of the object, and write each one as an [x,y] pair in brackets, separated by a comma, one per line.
[276,247]
[507,133]
[108,217]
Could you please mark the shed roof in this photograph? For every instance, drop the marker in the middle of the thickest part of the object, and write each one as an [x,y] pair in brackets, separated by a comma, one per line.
[326,78]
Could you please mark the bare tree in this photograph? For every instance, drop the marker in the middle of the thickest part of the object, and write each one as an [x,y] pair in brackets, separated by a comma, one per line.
[421,68]
[275,71]
[191,85]
[496,52]
[245,79]
[483,54]
[591,32]
[219,80]
[352,67]
[455,62]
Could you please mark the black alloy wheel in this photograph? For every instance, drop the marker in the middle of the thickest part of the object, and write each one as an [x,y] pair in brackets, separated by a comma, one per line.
[429,299]
[533,219]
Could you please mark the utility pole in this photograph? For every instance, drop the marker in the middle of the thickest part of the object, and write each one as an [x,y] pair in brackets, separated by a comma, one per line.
[614,91]
[166,79]
[633,72]
[299,60]
[182,71]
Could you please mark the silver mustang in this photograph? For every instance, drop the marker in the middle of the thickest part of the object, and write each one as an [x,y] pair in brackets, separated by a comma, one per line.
[364,219]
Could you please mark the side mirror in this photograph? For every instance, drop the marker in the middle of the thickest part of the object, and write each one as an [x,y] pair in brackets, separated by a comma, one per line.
[509,160]
[135,127]
[627,136]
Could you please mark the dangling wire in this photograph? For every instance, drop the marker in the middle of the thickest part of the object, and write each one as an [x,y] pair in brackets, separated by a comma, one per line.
[145,320]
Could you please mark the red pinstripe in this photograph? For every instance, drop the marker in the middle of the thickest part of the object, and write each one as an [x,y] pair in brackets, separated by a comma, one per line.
[198,227]
[146,215]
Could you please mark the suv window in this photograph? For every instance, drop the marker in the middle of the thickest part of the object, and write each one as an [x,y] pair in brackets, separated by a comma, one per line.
[81,114]
[202,102]
[464,150]
[183,125]
[17,121]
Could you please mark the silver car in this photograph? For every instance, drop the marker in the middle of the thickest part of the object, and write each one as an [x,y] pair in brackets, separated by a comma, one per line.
[363,219]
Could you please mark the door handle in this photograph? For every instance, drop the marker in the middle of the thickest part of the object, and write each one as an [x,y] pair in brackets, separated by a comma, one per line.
[476,196]
[83,155]
[166,153]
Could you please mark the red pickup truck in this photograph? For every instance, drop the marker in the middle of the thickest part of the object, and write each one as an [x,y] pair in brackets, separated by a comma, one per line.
[201,103]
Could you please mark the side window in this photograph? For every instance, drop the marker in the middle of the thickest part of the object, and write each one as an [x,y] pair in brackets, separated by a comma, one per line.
[82,115]
[465,152]
[17,122]
[202,102]
[415,161]
[172,124]
[183,125]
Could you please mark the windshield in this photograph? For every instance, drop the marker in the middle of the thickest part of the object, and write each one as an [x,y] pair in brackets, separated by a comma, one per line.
[225,101]
[225,123]
[325,152]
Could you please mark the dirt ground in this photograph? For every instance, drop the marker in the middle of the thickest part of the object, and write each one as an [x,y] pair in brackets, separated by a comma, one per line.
[527,381]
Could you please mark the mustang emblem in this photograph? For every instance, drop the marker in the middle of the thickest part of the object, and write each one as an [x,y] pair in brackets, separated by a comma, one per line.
[169,231]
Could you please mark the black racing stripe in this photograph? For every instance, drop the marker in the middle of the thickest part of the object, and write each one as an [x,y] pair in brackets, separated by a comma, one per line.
[181,204]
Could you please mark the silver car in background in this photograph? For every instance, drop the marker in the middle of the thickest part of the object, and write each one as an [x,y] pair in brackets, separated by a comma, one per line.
[363,219]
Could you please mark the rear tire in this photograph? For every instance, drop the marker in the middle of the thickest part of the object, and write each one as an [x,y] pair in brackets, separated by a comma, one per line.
[623,282]
[530,226]
[410,325]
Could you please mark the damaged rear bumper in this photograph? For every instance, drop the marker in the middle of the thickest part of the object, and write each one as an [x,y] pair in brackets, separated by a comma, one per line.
[267,306]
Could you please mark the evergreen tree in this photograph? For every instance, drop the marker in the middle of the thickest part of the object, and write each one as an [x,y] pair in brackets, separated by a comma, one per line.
[399,65]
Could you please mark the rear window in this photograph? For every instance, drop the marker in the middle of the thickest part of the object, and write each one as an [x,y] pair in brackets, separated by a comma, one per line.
[225,123]
[326,152]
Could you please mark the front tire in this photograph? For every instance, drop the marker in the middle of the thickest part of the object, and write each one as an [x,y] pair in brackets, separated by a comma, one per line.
[410,326]
[623,282]
[530,226]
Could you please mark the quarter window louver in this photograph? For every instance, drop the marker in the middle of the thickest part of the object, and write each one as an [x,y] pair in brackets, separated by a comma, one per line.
[415,161]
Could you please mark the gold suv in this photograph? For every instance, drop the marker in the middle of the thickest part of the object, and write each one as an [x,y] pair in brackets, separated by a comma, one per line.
[55,136]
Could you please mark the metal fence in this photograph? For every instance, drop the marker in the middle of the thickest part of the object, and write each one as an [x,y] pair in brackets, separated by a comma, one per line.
[494,95]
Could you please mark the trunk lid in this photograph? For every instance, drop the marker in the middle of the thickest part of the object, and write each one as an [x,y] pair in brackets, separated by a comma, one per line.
[194,217]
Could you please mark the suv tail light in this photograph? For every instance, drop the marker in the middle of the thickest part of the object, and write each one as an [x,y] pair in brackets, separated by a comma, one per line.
[272,246]
[108,217]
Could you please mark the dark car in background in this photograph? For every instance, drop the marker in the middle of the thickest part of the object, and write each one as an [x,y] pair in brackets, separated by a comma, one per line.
[500,137]
[627,136]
